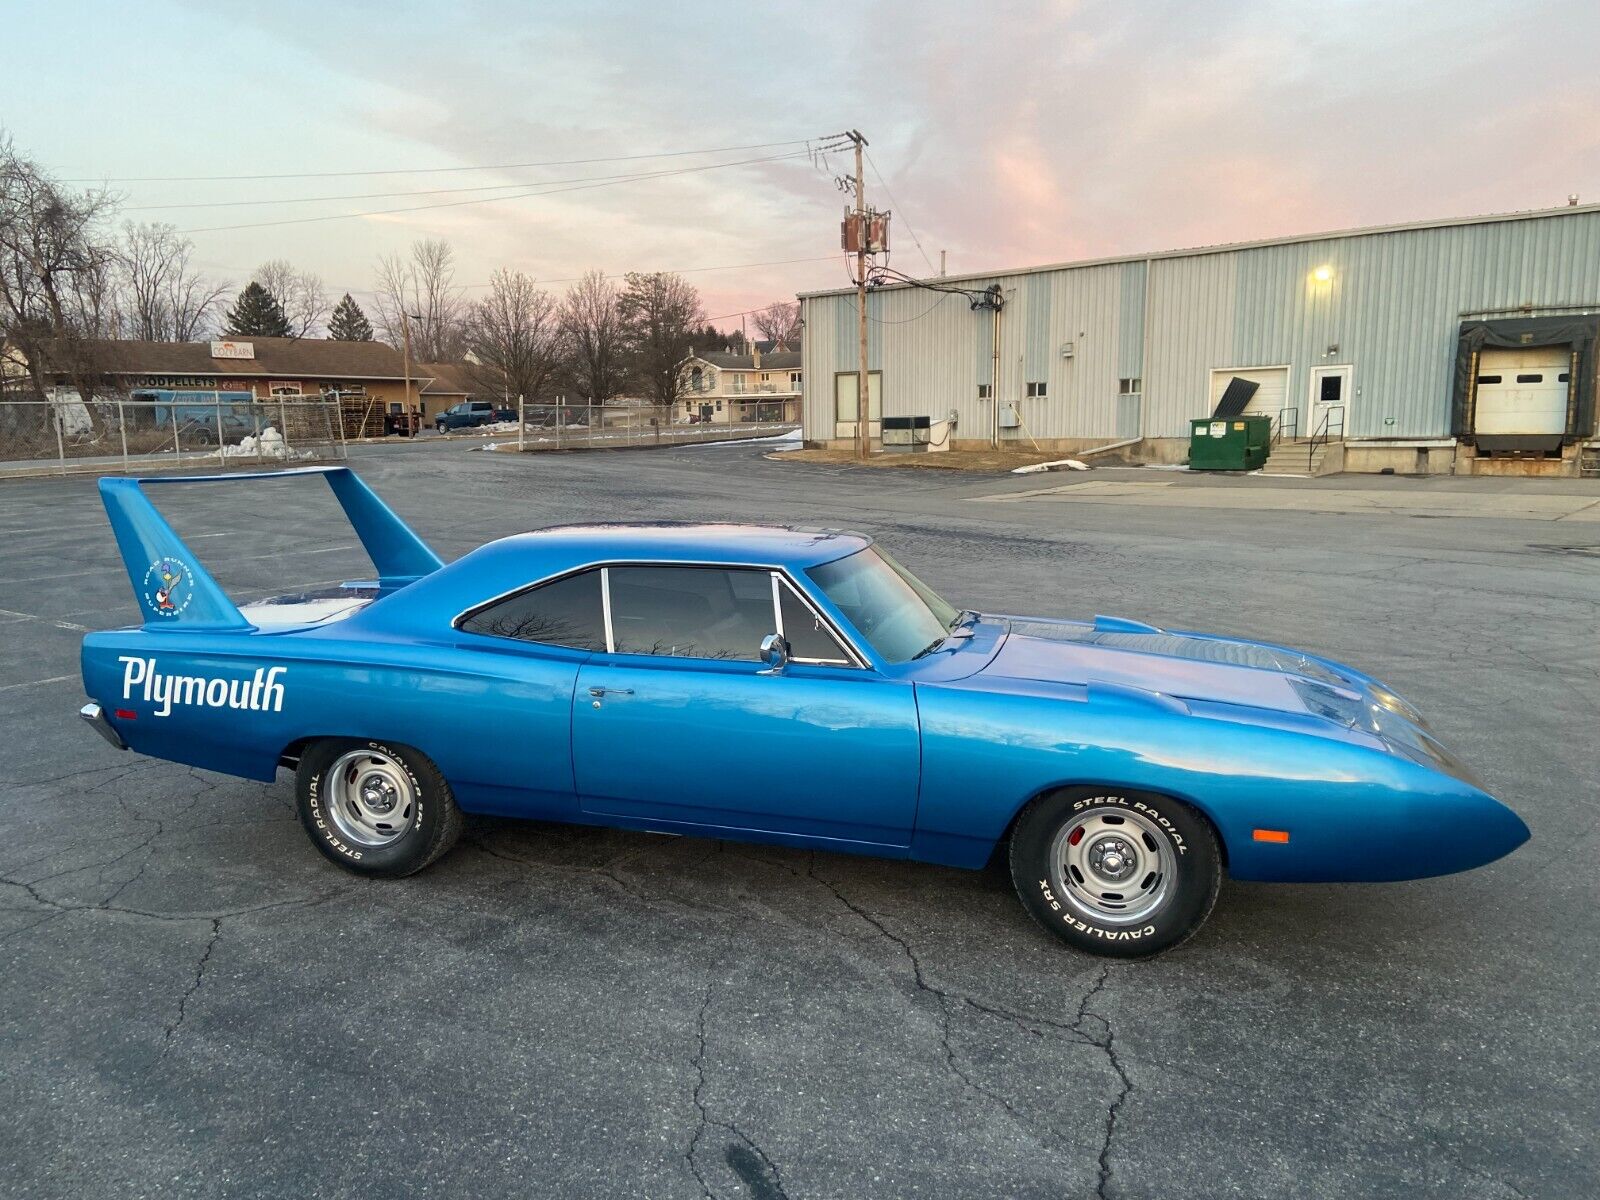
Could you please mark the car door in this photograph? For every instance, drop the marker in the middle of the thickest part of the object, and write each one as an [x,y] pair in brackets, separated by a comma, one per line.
[679,721]
[508,732]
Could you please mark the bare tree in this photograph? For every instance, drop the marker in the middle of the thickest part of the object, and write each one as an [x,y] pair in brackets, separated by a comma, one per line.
[421,288]
[300,294]
[516,333]
[591,327]
[660,313]
[54,273]
[162,298]
[779,323]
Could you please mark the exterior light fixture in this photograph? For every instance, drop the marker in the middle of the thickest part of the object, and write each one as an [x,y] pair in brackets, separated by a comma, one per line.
[1322,274]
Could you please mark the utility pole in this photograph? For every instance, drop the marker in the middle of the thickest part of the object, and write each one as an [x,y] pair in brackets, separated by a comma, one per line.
[863,380]
[405,337]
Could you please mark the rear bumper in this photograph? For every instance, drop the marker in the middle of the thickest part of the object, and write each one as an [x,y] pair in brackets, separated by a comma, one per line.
[96,717]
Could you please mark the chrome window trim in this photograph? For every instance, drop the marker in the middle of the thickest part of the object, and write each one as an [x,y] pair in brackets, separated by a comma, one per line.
[826,624]
[860,661]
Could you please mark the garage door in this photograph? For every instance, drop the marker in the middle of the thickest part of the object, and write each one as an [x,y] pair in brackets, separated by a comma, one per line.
[1272,388]
[1523,390]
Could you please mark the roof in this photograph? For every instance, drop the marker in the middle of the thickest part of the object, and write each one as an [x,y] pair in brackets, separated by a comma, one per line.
[1565,210]
[781,360]
[289,358]
[684,541]
[458,379]
[513,563]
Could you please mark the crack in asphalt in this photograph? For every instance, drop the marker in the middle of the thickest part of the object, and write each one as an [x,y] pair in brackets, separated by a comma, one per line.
[1108,1043]
[760,1175]
[941,997]
[199,977]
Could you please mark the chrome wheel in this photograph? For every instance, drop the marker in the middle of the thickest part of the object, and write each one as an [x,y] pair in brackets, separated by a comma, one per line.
[1114,866]
[370,798]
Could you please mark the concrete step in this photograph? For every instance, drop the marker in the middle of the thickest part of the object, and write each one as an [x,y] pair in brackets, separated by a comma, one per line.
[1294,458]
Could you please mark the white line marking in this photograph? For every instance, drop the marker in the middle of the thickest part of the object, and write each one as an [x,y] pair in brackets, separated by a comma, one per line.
[22,616]
[6,687]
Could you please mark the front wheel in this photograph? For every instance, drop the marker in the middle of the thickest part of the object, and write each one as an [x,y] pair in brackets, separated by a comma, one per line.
[1119,873]
[376,808]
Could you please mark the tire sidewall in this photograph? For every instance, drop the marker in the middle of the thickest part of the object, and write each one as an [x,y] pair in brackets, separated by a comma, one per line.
[1193,893]
[399,857]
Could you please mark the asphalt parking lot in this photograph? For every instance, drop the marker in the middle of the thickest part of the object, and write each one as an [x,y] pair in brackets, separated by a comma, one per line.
[197,1004]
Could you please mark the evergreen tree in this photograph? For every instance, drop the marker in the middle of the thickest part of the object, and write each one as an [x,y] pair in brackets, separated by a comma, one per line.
[256,314]
[349,323]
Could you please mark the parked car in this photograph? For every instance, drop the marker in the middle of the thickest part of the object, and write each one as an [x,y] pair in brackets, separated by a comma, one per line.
[782,685]
[204,428]
[470,414]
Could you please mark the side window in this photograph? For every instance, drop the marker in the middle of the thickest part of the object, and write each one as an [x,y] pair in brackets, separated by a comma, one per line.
[567,612]
[809,639]
[691,612]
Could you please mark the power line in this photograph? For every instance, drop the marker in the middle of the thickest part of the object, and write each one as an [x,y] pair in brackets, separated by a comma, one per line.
[780,262]
[492,187]
[564,162]
[915,240]
[549,191]
[907,320]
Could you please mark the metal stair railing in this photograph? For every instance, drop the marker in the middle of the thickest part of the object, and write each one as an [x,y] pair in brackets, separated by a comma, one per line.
[1326,432]
[1285,425]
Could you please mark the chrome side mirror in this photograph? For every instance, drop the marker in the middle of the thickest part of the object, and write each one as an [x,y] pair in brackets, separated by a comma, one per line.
[774,653]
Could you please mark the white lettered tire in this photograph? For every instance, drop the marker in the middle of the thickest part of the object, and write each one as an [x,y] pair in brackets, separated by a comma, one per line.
[374,807]
[1116,872]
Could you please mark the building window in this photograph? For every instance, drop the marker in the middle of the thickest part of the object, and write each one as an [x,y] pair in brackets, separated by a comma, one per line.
[282,388]
[1130,387]
[396,407]
[984,391]
[794,379]
[1036,390]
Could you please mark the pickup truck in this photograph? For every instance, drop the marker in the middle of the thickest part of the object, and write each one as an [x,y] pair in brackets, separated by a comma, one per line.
[469,414]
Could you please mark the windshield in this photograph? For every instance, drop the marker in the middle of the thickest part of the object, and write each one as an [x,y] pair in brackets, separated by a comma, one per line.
[894,610]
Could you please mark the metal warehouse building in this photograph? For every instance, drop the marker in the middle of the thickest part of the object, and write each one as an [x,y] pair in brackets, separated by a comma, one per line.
[1465,345]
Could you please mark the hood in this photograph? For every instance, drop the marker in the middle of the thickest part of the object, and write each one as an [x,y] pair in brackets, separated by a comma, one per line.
[1183,665]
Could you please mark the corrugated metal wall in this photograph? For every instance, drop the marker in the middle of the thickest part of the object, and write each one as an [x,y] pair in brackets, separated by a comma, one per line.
[1391,306]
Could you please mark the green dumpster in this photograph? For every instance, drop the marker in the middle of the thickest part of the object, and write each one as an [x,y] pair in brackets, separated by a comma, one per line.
[1229,443]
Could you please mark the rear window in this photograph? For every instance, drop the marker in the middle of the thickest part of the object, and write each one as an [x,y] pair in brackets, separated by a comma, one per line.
[567,612]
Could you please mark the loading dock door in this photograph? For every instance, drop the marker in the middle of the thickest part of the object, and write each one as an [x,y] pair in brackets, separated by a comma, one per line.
[1523,391]
[1272,388]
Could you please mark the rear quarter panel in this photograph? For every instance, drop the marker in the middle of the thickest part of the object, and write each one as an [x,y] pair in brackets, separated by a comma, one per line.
[497,725]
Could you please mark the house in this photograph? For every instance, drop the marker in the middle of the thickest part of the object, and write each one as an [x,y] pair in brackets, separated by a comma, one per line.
[451,383]
[264,367]
[722,388]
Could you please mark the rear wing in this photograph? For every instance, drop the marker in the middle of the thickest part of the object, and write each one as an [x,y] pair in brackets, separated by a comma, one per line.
[175,592]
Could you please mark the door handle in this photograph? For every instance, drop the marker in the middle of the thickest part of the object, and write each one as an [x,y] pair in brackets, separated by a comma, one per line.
[601,691]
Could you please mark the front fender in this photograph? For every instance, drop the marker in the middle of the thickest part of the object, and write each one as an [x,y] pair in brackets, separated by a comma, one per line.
[1352,810]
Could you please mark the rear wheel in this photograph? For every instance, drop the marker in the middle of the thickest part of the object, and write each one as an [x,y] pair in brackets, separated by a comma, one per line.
[1120,873]
[376,808]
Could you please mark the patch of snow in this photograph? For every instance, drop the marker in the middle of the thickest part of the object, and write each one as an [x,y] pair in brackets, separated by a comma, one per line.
[778,441]
[269,445]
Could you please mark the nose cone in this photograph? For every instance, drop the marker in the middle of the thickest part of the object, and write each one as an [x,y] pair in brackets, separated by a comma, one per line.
[1486,830]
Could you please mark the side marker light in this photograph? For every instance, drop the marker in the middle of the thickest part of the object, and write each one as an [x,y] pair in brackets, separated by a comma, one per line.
[1272,835]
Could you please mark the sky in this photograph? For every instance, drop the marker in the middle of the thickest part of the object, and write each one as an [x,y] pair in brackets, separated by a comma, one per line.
[1004,133]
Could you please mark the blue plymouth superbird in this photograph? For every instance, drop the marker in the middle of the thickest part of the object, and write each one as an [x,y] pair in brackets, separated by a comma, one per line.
[782,685]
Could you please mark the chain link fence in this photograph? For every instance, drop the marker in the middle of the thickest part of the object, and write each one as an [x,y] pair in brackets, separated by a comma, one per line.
[600,426]
[64,433]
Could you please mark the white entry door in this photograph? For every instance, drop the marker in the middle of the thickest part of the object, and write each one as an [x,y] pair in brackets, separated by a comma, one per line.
[1330,401]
